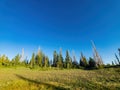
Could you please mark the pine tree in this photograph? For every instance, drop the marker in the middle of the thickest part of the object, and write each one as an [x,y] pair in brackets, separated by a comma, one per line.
[60,60]
[68,61]
[92,62]
[38,58]
[45,61]
[83,61]
[16,60]
[55,59]
[32,61]
[74,62]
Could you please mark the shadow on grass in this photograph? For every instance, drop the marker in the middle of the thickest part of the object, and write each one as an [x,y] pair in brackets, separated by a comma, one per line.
[42,83]
[104,67]
[90,85]
[114,66]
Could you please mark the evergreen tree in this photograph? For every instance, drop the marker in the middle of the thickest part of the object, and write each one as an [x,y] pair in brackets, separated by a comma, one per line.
[32,61]
[83,61]
[74,63]
[16,60]
[60,60]
[55,59]
[45,61]
[38,59]
[68,61]
[92,62]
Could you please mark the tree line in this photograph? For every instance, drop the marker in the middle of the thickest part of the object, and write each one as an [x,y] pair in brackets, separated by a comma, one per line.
[40,60]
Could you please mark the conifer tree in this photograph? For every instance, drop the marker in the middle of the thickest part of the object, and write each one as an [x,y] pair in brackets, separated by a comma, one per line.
[74,62]
[16,60]
[92,62]
[68,61]
[32,61]
[83,61]
[45,61]
[38,58]
[55,59]
[60,60]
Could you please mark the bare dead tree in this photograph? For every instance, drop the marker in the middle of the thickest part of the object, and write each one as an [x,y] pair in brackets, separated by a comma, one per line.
[96,55]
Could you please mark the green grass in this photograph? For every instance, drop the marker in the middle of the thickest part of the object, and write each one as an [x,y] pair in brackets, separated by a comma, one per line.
[74,79]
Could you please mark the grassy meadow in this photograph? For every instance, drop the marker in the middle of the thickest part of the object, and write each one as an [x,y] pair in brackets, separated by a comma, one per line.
[22,78]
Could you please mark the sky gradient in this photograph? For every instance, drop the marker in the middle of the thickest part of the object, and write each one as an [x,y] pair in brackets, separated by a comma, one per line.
[51,24]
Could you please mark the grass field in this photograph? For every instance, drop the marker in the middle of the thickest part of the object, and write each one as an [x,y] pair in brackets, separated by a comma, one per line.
[74,79]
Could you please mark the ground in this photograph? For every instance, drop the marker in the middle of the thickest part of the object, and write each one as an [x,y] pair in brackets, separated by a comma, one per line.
[22,78]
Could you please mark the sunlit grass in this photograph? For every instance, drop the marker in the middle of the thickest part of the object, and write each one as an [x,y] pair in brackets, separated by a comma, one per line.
[74,79]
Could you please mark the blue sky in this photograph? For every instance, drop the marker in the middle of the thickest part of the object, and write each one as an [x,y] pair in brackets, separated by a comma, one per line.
[51,24]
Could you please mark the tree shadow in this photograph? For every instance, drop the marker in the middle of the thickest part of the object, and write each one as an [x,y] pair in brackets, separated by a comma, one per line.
[114,66]
[42,83]
[91,85]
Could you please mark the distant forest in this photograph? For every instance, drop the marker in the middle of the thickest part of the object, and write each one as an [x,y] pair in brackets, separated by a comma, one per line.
[40,60]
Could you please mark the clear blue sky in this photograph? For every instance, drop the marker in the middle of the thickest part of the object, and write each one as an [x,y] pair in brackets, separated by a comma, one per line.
[52,24]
